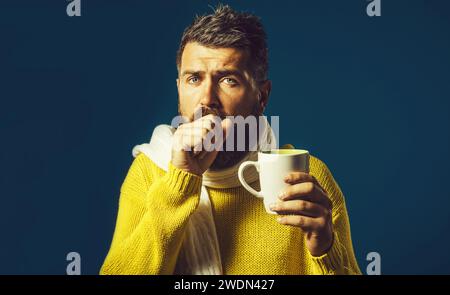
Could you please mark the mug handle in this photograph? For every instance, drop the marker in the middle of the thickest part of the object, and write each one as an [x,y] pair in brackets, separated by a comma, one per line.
[243,166]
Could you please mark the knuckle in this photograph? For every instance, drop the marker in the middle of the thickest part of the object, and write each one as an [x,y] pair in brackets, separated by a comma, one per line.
[303,206]
[321,222]
[295,175]
[206,124]
[300,176]
[210,120]
[300,221]
[309,187]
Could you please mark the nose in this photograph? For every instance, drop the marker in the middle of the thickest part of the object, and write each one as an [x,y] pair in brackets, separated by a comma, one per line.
[209,95]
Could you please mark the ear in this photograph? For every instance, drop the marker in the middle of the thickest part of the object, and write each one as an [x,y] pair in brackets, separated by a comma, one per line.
[264,91]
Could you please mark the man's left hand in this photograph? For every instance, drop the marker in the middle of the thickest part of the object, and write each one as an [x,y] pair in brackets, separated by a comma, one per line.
[305,204]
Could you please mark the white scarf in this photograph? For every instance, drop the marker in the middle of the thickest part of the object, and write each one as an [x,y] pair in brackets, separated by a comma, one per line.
[200,252]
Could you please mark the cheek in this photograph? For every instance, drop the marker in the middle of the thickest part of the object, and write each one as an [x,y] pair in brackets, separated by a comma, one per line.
[240,103]
[187,93]
[188,99]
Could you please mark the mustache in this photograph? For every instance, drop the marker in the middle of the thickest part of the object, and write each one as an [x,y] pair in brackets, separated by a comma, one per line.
[203,111]
[210,111]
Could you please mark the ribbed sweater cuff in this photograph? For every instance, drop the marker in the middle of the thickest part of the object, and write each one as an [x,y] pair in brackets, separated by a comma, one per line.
[330,262]
[183,182]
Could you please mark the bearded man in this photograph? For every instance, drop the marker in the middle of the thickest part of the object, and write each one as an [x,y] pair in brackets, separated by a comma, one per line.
[182,209]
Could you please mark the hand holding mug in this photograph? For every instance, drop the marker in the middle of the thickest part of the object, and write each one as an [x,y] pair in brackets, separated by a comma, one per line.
[289,190]
[305,204]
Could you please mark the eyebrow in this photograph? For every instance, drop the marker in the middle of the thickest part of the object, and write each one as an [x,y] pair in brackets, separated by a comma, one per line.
[190,72]
[236,73]
[224,72]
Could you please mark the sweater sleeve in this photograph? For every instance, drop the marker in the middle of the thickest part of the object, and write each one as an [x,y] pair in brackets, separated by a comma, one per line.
[151,219]
[340,258]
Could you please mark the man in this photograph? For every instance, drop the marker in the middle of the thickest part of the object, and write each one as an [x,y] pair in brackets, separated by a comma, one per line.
[222,70]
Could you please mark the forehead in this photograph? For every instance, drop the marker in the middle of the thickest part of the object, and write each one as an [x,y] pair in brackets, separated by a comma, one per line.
[198,56]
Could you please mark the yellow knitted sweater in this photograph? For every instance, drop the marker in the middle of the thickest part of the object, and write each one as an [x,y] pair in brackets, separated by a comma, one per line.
[155,205]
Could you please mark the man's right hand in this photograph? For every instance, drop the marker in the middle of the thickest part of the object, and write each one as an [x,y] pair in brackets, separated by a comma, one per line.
[189,137]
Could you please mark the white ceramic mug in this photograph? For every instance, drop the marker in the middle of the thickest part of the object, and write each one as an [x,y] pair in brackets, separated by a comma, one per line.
[272,167]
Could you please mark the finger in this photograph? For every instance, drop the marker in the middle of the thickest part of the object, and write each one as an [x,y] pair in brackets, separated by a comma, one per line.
[218,139]
[212,132]
[307,224]
[298,177]
[195,131]
[192,140]
[198,137]
[181,140]
[308,191]
[204,122]
[192,143]
[211,122]
[299,207]
[212,139]
[208,120]
[194,137]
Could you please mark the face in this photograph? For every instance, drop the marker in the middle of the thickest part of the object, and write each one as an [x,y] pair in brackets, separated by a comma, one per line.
[220,80]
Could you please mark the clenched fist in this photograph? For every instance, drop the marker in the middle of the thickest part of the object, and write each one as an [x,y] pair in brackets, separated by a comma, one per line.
[195,144]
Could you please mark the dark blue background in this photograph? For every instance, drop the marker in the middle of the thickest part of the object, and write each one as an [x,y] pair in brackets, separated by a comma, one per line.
[370,96]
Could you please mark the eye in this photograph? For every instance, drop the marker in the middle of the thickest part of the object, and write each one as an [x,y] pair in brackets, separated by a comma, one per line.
[230,81]
[193,80]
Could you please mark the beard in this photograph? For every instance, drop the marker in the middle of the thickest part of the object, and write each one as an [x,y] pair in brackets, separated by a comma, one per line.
[226,159]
